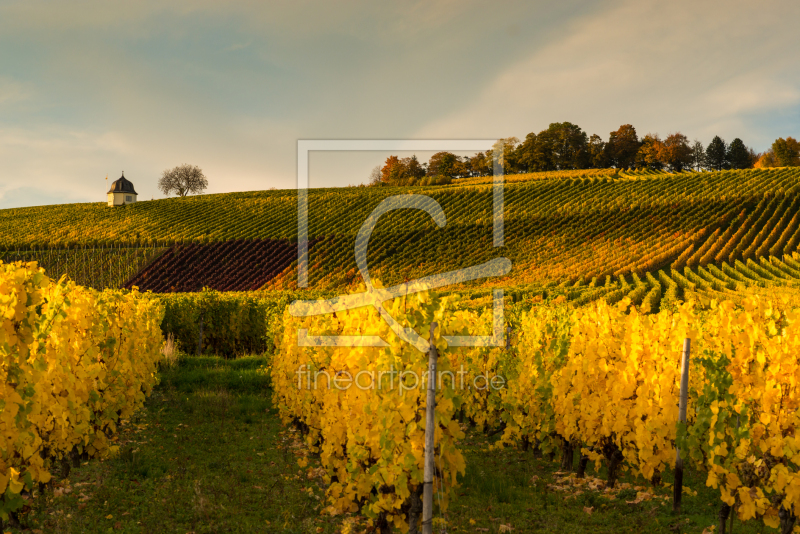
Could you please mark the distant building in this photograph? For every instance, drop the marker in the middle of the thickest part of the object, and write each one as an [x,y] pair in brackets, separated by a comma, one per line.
[121,192]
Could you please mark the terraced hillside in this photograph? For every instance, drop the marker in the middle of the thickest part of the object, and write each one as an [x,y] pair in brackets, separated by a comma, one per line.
[584,234]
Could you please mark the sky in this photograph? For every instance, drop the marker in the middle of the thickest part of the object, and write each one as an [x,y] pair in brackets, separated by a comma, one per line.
[89,88]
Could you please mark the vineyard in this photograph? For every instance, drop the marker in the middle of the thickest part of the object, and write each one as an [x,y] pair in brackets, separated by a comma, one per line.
[611,272]
[98,266]
[602,380]
[75,362]
[238,265]
[582,234]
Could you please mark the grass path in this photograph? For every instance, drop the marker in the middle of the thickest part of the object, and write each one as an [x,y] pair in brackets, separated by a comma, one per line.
[208,455]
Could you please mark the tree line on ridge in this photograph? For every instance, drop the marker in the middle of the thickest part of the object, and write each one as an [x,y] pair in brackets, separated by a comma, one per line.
[565,146]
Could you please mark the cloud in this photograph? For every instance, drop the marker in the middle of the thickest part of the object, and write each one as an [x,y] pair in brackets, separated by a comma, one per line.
[72,165]
[90,88]
[56,163]
[749,93]
[664,67]
[147,86]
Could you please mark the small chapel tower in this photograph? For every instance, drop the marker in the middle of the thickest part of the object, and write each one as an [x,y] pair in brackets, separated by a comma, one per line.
[121,192]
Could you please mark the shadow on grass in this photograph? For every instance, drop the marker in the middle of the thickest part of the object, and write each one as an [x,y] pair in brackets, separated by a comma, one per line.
[236,376]
[507,488]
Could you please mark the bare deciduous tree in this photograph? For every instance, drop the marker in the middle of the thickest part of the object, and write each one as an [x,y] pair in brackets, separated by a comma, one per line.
[375,176]
[182,180]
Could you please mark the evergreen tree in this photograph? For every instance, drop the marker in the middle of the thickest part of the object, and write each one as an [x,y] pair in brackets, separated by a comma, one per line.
[717,154]
[738,156]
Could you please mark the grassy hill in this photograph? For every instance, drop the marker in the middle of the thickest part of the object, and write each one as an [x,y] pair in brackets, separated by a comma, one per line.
[584,234]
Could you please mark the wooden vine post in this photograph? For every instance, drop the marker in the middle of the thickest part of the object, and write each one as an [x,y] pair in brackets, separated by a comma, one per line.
[430,427]
[678,486]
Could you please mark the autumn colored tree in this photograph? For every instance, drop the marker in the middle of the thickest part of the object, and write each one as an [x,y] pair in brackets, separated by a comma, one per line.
[650,153]
[765,160]
[402,171]
[738,155]
[622,147]
[565,146]
[676,152]
[461,167]
[386,170]
[717,154]
[787,152]
[412,171]
[753,156]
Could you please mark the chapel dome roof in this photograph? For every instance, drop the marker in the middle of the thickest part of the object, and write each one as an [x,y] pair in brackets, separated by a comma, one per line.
[122,185]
